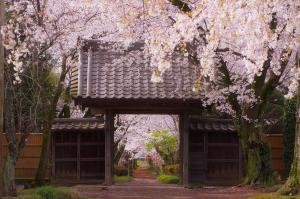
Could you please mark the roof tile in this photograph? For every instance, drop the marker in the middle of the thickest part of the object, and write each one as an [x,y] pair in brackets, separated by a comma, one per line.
[130,77]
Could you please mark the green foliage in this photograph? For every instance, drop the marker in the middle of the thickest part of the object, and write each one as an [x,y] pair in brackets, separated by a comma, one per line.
[120,170]
[168,179]
[289,133]
[273,196]
[172,169]
[48,192]
[137,163]
[274,111]
[66,95]
[122,179]
[154,167]
[265,154]
[165,144]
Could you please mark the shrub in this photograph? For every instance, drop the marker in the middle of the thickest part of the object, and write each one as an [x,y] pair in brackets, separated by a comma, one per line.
[120,170]
[168,179]
[48,192]
[172,169]
[165,144]
[273,196]
[289,133]
[154,167]
[122,179]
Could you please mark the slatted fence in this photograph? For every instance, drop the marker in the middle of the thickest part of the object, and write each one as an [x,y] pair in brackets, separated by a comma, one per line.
[276,142]
[28,163]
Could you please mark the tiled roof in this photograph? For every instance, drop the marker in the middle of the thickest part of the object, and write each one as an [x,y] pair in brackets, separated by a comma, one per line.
[212,125]
[111,78]
[63,124]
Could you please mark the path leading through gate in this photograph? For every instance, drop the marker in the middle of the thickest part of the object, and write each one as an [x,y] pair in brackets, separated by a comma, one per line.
[141,173]
[151,189]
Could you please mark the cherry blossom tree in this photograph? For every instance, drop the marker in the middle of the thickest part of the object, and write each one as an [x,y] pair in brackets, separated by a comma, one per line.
[43,34]
[243,50]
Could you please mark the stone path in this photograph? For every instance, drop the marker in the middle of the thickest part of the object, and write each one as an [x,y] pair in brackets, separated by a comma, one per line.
[143,174]
[151,189]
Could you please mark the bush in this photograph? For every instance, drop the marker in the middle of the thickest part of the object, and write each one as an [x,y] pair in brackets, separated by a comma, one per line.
[120,170]
[172,169]
[289,133]
[154,167]
[168,179]
[122,179]
[48,192]
[273,196]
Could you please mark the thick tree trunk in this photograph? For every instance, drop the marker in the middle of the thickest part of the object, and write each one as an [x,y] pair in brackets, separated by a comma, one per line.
[291,186]
[1,89]
[257,155]
[9,186]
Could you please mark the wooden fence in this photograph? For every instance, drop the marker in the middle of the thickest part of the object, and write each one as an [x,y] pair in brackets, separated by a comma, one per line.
[27,164]
[276,142]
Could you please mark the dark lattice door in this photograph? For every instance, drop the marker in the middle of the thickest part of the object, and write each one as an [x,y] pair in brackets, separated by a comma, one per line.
[197,157]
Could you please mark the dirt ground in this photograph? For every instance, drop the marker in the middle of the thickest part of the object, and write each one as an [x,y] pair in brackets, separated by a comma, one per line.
[151,189]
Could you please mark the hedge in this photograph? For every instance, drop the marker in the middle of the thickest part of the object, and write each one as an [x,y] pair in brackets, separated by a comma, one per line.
[289,133]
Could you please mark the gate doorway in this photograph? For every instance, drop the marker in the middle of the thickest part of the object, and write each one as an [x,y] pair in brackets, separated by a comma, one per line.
[146,146]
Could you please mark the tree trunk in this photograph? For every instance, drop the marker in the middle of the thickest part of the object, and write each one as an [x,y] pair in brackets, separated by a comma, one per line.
[9,186]
[1,89]
[45,152]
[118,152]
[291,186]
[257,155]
[44,158]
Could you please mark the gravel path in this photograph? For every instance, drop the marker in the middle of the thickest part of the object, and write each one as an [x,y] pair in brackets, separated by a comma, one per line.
[151,189]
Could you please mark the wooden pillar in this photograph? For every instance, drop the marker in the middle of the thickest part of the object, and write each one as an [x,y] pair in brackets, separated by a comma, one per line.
[78,157]
[184,144]
[109,142]
[181,147]
[53,146]
[240,161]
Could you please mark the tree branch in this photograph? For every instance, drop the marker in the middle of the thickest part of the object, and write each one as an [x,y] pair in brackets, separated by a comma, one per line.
[183,6]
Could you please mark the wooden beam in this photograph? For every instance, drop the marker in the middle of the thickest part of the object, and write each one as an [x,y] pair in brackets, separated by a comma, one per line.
[109,139]
[185,149]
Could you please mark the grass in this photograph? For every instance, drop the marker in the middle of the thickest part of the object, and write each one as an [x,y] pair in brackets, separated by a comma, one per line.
[122,179]
[273,196]
[168,179]
[48,192]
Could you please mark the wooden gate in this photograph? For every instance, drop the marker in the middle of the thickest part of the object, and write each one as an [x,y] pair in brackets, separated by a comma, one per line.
[214,155]
[78,155]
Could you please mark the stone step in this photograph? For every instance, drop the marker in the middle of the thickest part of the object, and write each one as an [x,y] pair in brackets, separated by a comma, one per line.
[143,173]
